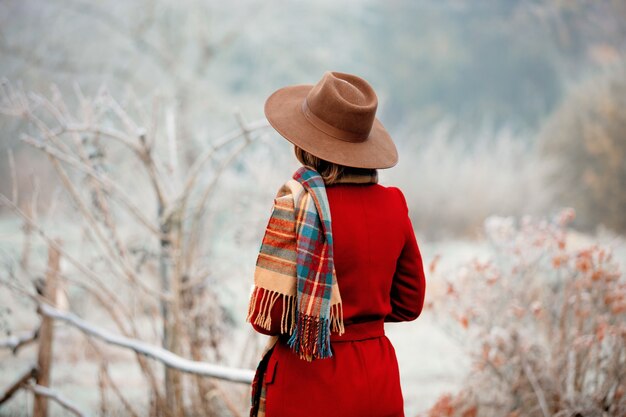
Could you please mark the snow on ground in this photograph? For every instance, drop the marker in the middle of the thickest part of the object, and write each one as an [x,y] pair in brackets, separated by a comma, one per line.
[431,362]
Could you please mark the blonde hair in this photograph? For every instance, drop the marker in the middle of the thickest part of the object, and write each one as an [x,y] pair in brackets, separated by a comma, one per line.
[329,171]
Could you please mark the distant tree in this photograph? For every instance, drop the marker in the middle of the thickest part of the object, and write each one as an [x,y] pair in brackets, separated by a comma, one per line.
[586,138]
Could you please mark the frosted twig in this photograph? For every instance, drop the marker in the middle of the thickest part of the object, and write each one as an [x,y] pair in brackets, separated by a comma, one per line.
[170,129]
[536,388]
[108,380]
[206,156]
[14,188]
[79,265]
[54,110]
[97,176]
[111,133]
[56,397]
[208,191]
[57,100]
[119,111]
[16,342]
[18,384]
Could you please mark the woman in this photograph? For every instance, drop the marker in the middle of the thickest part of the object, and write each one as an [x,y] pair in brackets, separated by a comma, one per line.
[338,259]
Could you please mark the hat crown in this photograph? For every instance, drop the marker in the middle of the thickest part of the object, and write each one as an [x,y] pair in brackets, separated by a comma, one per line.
[345,103]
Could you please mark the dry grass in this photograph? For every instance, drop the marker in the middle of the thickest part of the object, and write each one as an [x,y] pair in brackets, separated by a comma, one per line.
[454,181]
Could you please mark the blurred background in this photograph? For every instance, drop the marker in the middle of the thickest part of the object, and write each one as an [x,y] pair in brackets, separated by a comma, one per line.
[137,173]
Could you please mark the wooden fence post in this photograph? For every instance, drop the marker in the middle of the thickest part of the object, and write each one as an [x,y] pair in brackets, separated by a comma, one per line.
[46,333]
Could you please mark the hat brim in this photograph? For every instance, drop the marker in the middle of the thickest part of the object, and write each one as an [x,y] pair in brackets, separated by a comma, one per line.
[283,110]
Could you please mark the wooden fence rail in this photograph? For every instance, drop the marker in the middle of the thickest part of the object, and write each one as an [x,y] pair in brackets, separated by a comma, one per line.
[169,359]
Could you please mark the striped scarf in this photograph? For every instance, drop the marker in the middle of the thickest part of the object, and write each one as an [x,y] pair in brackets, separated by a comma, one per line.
[295,262]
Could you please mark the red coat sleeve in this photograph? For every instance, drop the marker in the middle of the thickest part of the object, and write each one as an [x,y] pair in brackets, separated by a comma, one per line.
[275,313]
[409,283]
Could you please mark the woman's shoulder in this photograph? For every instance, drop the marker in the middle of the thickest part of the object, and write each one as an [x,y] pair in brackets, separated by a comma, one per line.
[391,192]
[399,195]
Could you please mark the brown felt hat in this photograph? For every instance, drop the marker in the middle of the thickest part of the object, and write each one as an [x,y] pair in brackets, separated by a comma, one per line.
[335,120]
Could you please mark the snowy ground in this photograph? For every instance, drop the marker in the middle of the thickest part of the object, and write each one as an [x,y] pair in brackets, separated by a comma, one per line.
[430,364]
[431,361]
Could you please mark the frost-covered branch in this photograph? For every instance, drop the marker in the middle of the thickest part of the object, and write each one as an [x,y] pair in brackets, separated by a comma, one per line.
[16,342]
[18,384]
[166,357]
[56,397]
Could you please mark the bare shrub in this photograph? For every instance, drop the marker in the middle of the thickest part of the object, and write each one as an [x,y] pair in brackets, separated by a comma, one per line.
[133,218]
[585,137]
[545,322]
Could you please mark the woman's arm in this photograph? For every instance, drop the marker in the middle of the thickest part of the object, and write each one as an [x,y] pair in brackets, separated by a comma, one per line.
[409,283]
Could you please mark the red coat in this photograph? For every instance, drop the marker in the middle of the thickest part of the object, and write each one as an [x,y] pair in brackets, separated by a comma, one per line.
[381,279]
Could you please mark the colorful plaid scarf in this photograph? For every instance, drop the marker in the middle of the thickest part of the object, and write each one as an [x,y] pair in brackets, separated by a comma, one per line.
[295,262]
[297,244]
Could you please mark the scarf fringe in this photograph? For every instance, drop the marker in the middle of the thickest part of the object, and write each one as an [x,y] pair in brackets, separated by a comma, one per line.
[263,317]
[336,318]
[310,327]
